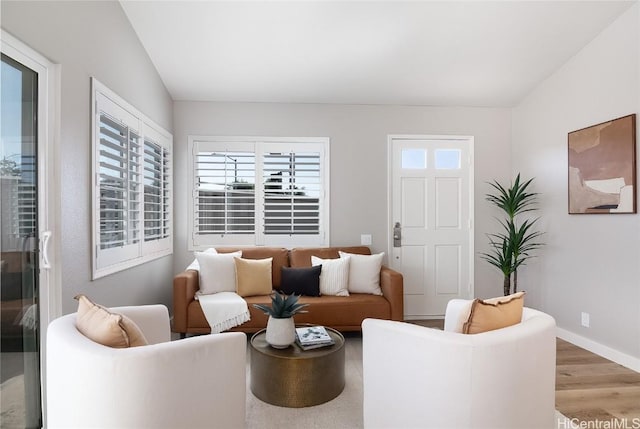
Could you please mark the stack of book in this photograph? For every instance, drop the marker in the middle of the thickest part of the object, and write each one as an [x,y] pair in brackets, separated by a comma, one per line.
[313,337]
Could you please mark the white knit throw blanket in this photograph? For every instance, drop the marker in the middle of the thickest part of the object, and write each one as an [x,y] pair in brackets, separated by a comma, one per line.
[224,310]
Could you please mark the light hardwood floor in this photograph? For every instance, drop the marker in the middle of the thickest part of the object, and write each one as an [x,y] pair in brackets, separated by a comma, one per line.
[590,388]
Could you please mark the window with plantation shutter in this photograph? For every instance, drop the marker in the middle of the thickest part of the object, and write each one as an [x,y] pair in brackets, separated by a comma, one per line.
[224,194]
[267,191]
[132,185]
[157,191]
[118,161]
[292,185]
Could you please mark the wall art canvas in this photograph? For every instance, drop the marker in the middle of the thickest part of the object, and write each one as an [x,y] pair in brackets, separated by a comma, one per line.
[602,168]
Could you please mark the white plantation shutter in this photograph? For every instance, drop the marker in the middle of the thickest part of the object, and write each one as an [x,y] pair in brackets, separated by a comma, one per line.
[156,191]
[292,176]
[267,192]
[224,194]
[118,177]
[132,188]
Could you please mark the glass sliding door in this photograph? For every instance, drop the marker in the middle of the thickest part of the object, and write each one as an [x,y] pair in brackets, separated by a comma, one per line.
[19,272]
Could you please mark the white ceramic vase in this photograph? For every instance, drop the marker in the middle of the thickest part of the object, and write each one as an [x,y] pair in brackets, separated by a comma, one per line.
[281,333]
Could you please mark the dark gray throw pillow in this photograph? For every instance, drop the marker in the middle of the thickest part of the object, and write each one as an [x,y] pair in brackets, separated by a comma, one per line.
[301,281]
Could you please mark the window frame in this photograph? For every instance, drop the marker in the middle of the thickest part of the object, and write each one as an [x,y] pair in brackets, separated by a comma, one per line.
[257,145]
[112,260]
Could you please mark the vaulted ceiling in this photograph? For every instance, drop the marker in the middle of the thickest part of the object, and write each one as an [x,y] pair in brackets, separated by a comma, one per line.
[451,53]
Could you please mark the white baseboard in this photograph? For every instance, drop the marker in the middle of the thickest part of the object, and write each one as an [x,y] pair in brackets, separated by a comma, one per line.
[423,317]
[607,352]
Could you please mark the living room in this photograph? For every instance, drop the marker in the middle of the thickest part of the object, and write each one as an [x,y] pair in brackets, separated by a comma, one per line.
[589,264]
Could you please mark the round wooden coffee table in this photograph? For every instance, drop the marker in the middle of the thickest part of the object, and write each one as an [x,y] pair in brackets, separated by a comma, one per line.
[296,378]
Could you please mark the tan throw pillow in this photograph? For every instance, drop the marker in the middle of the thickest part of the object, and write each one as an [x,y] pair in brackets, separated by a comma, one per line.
[495,313]
[104,327]
[253,276]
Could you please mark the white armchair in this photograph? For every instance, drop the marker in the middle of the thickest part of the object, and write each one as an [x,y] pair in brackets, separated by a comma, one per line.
[197,382]
[416,377]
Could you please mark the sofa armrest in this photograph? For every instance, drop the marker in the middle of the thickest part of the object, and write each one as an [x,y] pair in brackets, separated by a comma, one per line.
[185,286]
[391,283]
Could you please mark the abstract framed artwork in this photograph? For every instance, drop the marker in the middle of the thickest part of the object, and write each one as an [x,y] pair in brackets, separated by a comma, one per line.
[602,168]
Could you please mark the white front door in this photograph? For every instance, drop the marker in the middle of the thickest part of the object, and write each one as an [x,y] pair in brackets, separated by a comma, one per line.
[431,214]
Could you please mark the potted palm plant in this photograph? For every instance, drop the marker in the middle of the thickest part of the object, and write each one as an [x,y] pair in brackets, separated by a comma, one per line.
[281,329]
[512,247]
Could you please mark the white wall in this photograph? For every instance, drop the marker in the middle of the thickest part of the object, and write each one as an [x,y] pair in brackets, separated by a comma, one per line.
[92,39]
[591,263]
[358,159]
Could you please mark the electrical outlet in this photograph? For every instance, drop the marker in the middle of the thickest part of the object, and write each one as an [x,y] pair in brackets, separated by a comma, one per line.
[585,319]
[365,239]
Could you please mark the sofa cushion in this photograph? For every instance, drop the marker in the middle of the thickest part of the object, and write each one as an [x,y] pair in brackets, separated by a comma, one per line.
[280,257]
[301,281]
[495,313]
[104,327]
[253,276]
[217,272]
[334,277]
[301,256]
[364,272]
[346,312]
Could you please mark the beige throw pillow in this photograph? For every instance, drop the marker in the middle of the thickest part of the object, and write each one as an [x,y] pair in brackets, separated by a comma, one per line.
[334,277]
[253,276]
[104,327]
[495,313]
[364,273]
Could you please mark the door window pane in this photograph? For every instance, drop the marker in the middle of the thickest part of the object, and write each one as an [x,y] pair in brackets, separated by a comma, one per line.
[414,158]
[19,342]
[447,159]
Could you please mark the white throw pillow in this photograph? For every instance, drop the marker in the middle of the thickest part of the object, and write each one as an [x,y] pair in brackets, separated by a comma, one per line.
[334,277]
[217,272]
[195,265]
[364,273]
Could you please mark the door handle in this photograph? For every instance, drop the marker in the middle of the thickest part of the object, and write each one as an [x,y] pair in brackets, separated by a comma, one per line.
[397,235]
[46,237]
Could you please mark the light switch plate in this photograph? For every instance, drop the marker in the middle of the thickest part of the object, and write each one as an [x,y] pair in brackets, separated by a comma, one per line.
[365,239]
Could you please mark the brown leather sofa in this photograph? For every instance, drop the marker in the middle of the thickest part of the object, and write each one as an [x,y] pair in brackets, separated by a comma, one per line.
[338,312]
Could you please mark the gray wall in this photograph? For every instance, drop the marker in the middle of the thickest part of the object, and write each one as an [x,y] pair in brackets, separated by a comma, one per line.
[92,39]
[358,160]
[590,262]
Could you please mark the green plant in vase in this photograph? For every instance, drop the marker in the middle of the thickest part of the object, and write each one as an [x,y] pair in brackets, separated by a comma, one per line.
[512,248]
[281,329]
[282,306]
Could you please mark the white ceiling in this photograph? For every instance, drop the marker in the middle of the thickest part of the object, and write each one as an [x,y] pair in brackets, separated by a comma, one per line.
[454,53]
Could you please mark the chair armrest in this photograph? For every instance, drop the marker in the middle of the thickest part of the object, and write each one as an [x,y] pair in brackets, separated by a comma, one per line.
[153,321]
[185,286]
[391,283]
